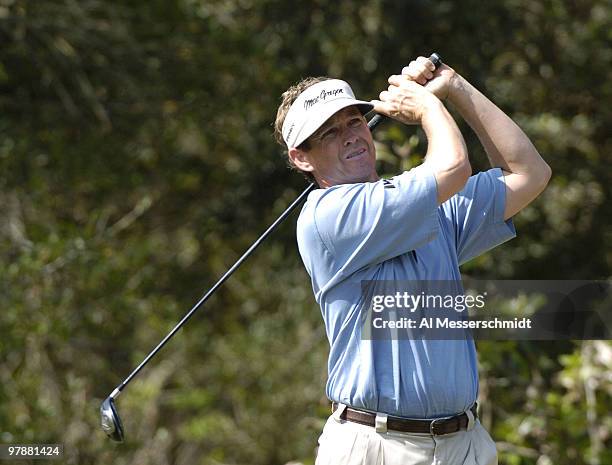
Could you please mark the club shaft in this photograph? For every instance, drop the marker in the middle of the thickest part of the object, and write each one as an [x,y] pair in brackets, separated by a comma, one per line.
[372,125]
[212,290]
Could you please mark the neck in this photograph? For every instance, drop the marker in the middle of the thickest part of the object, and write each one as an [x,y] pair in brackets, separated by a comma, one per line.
[325,183]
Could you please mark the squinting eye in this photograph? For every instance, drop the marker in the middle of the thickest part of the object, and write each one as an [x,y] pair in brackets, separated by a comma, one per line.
[355,122]
[329,134]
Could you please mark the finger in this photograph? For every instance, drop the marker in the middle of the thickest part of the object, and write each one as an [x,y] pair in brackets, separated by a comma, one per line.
[417,76]
[402,82]
[413,71]
[385,96]
[421,79]
[407,69]
[391,96]
[384,108]
[423,69]
[427,74]
[399,80]
[427,63]
[396,80]
[395,87]
[417,72]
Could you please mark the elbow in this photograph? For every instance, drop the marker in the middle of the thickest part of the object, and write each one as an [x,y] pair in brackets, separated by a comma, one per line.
[537,167]
[545,173]
[461,172]
[451,177]
[465,170]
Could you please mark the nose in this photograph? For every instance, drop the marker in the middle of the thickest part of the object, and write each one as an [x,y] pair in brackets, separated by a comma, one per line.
[349,137]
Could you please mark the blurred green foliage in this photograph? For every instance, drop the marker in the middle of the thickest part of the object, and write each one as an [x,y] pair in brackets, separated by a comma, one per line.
[137,163]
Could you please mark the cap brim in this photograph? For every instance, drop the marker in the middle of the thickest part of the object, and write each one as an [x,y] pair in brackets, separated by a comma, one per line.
[326,112]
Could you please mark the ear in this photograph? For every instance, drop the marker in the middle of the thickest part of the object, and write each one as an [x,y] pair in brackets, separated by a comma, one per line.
[300,159]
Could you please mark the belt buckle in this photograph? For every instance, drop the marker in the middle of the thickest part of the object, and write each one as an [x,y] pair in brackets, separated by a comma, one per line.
[432,426]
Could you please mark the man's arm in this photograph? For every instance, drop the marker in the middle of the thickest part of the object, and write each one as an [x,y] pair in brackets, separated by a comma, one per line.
[526,174]
[446,152]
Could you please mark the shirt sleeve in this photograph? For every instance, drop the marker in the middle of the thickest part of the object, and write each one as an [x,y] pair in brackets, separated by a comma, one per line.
[476,214]
[367,223]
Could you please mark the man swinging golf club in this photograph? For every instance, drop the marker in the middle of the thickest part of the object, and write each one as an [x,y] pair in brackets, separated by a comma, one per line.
[401,401]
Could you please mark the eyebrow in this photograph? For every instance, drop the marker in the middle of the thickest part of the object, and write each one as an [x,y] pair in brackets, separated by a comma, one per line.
[319,132]
[333,120]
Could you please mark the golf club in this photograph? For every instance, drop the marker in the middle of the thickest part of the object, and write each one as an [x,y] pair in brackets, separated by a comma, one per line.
[110,420]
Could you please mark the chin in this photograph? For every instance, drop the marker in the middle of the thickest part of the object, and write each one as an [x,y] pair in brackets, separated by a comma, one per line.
[370,177]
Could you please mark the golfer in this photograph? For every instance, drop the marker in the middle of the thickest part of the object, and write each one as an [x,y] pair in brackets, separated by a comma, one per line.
[401,401]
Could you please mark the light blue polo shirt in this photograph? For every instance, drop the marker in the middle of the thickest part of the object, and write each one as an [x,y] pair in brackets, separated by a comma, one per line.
[395,230]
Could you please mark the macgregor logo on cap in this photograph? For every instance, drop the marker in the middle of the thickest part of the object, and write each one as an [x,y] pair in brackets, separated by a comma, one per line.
[315,105]
[324,94]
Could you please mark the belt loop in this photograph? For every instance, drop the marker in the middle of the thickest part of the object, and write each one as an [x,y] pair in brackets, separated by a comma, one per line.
[471,420]
[339,411]
[381,422]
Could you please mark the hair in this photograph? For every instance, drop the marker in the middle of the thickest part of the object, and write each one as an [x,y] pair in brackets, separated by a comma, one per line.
[287,99]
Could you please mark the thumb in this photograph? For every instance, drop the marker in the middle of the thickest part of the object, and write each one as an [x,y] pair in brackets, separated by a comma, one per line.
[437,87]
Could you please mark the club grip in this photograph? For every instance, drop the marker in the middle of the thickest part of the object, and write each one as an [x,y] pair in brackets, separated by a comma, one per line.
[436,59]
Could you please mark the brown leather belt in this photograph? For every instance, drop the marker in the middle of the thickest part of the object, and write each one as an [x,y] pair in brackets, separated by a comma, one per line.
[434,427]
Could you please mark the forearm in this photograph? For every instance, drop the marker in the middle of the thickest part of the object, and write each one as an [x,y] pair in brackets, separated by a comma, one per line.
[446,150]
[506,145]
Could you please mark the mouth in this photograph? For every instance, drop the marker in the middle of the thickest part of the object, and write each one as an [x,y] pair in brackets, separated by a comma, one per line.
[356,154]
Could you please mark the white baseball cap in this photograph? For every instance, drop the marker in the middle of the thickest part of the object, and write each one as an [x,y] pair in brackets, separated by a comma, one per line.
[316,105]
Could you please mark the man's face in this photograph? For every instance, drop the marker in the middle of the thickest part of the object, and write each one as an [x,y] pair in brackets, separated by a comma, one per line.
[341,151]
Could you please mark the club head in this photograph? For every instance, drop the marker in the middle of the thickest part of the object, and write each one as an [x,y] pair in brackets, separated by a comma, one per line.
[110,421]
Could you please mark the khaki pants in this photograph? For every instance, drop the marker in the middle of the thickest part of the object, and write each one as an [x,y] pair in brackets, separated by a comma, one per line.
[348,443]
